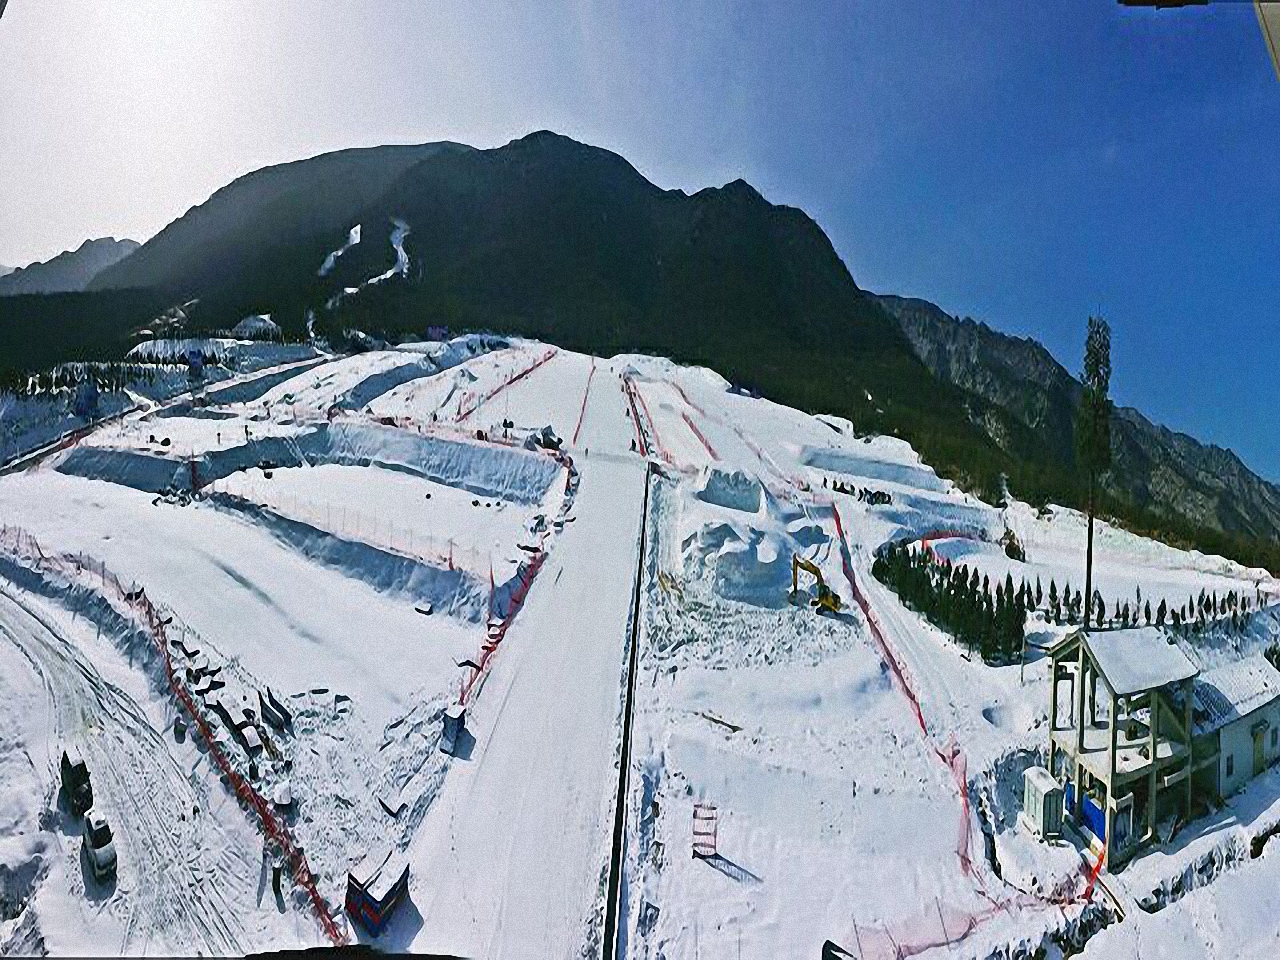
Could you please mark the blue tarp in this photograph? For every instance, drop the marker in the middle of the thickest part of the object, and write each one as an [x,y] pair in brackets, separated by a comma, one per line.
[1092,815]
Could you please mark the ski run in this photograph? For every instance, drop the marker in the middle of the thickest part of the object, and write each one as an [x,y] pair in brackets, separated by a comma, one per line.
[592,559]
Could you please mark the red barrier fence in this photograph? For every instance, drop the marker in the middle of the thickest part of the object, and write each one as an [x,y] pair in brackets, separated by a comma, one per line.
[465,411]
[22,546]
[638,407]
[698,433]
[582,414]
[961,923]
[498,629]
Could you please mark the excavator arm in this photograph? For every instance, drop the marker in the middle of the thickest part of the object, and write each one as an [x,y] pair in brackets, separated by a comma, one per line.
[827,598]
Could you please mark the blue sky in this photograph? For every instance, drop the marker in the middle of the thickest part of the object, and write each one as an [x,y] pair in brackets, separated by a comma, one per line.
[1023,163]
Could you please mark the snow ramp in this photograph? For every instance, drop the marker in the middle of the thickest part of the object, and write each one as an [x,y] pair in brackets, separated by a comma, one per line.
[854,464]
[489,470]
[452,591]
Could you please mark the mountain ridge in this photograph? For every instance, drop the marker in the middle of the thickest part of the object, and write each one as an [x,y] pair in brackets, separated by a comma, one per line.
[70,271]
[568,242]
[1154,466]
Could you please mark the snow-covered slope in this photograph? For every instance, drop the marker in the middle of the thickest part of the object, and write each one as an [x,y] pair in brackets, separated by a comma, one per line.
[375,537]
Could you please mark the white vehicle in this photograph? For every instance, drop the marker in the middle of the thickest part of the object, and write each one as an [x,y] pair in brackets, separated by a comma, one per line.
[99,845]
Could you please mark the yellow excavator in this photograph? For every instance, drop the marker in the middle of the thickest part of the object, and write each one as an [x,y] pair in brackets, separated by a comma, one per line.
[827,599]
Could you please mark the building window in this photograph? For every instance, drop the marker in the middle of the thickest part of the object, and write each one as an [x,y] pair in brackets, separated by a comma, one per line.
[1231,764]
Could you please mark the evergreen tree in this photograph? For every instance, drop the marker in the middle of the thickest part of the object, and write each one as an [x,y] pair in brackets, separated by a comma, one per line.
[1093,426]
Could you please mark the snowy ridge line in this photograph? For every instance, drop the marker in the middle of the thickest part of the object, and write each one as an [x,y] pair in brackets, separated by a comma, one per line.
[582,414]
[466,414]
[21,545]
[953,757]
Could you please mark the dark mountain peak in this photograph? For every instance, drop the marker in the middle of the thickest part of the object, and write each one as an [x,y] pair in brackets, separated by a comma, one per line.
[547,138]
[70,271]
[735,191]
[739,188]
[555,153]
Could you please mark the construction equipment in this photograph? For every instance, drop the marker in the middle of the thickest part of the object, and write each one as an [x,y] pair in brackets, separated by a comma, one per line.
[827,598]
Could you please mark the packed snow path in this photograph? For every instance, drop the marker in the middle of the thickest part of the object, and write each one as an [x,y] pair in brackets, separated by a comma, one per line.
[511,859]
[175,863]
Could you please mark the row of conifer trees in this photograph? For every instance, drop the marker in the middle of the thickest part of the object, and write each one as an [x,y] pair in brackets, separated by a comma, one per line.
[992,623]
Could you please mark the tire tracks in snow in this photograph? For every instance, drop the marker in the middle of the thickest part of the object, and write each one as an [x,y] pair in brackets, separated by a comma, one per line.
[167,843]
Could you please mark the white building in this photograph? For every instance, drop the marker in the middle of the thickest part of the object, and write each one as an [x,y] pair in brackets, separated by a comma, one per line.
[1237,724]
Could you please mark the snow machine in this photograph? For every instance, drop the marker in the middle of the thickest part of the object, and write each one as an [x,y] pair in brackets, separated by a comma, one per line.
[75,781]
[375,887]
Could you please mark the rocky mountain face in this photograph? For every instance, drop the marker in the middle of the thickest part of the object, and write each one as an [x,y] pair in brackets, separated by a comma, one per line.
[70,271]
[252,239]
[1018,384]
[551,238]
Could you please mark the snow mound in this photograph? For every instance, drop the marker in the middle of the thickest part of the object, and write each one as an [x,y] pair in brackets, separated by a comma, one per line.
[738,541]
[877,464]
[750,566]
[734,490]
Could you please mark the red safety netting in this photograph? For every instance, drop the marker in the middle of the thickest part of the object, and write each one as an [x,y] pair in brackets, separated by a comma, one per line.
[84,571]
[953,925]
[699,434]
[582,414]
[471,402]
[498,625]
[645,427]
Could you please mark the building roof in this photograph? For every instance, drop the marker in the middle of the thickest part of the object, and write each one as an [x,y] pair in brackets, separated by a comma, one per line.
[378,872]
[1138,659]
[1233,691]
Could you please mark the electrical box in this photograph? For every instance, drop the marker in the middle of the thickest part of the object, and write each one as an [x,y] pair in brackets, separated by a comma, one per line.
[1042,803]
